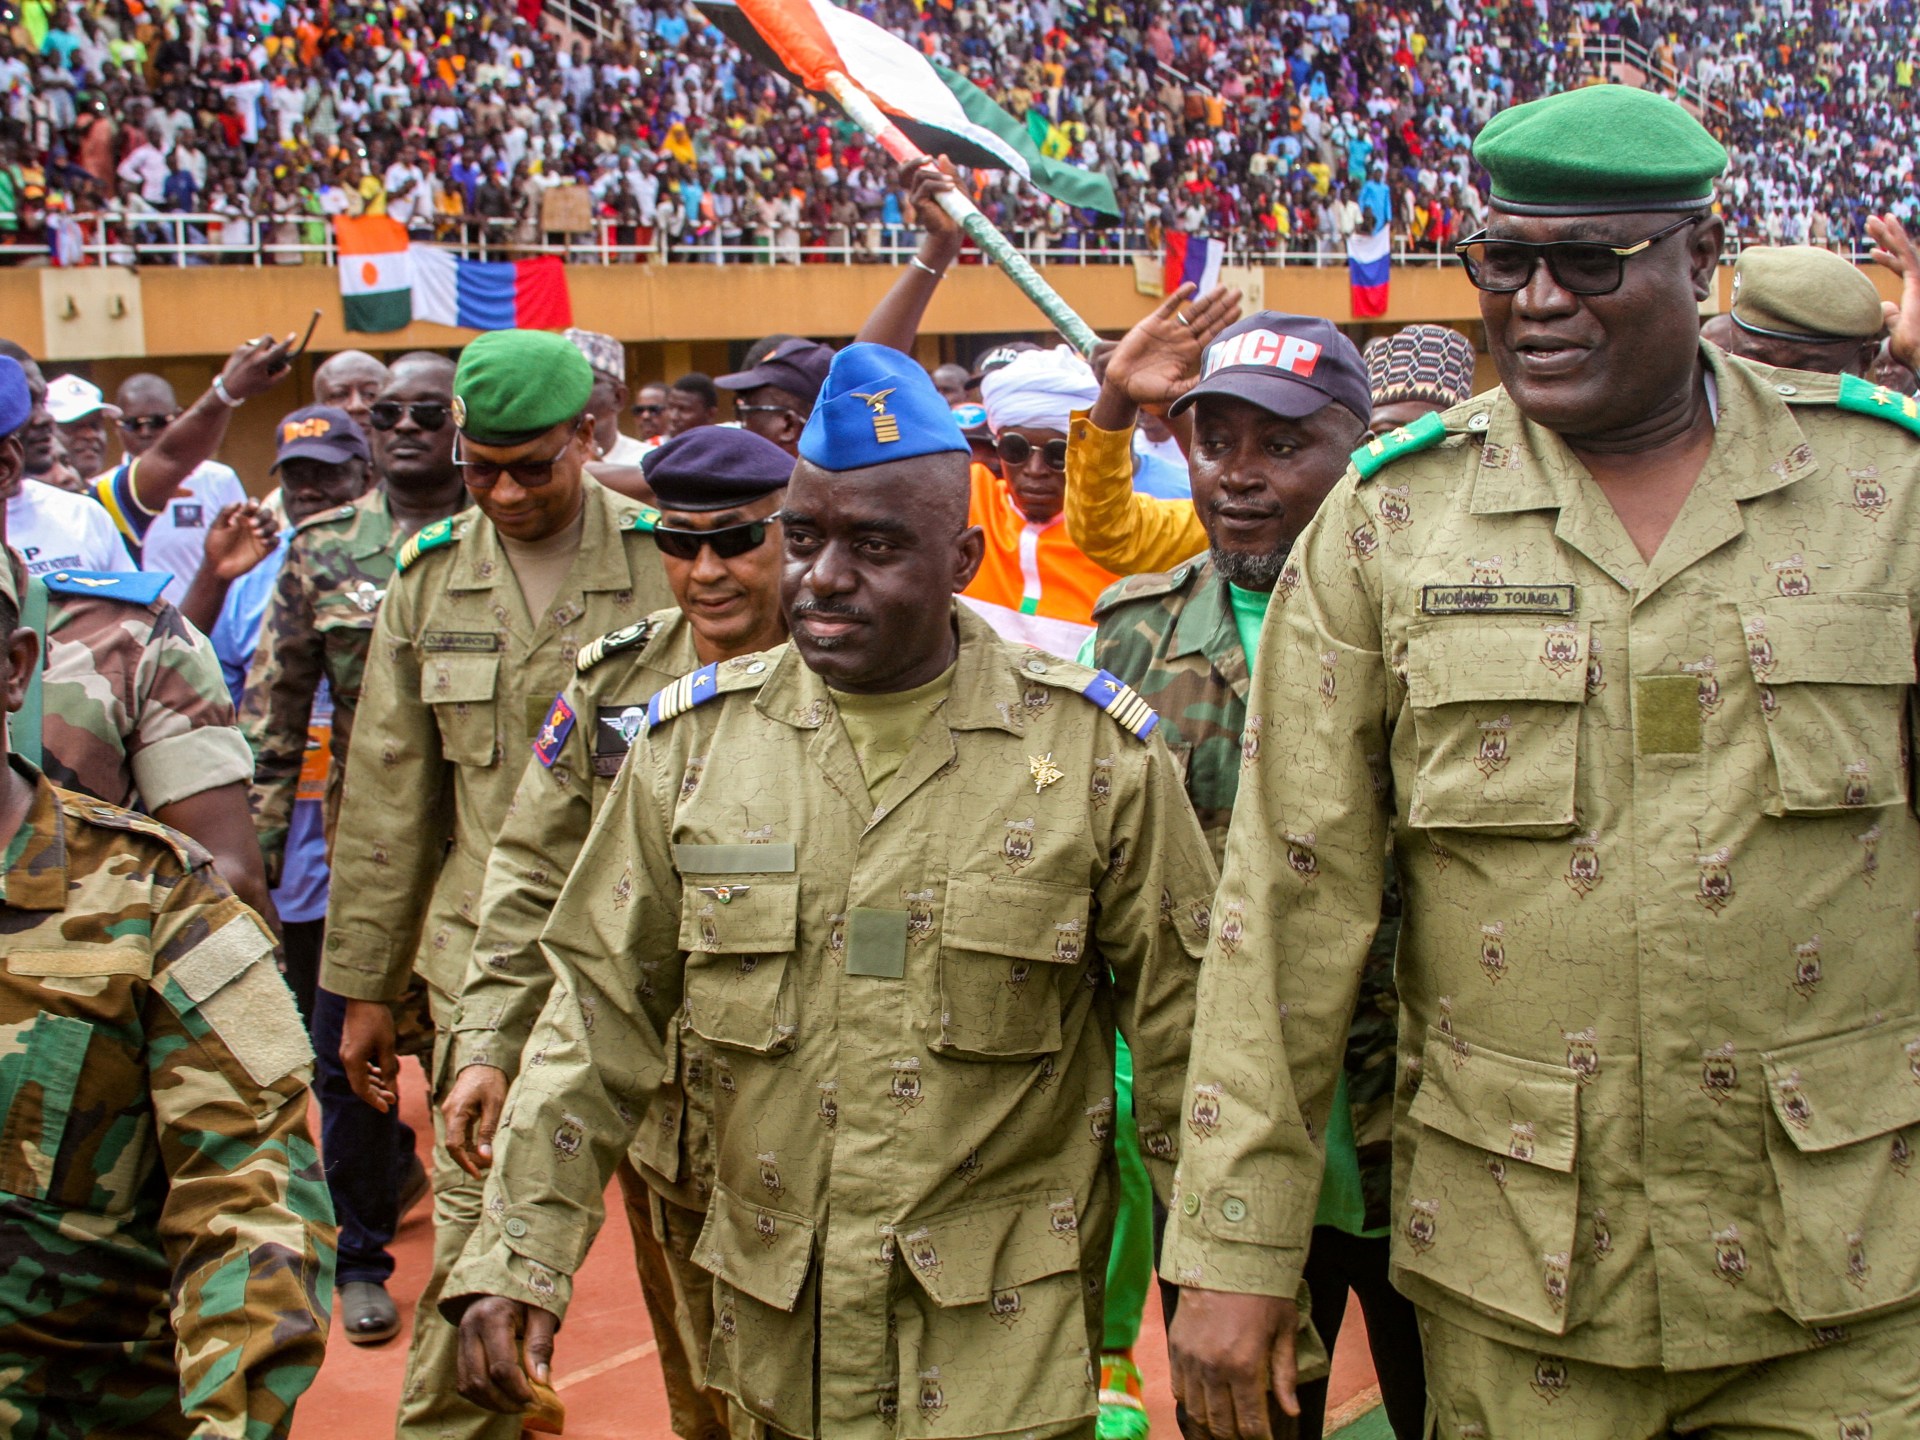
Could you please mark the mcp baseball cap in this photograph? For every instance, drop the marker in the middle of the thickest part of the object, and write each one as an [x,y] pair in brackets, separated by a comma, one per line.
[1291,365]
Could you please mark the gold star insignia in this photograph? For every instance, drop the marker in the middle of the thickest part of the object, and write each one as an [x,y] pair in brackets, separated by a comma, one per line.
[1044,771]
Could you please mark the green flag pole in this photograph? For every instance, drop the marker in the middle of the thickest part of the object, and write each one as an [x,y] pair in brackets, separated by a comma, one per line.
[997,248]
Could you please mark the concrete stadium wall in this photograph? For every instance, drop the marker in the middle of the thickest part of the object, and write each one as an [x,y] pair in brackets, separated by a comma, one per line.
[107,323]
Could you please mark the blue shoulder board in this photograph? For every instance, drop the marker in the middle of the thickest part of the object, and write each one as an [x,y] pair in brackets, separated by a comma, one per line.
[1119,700]
[136,587]
[554,731]
[683,694]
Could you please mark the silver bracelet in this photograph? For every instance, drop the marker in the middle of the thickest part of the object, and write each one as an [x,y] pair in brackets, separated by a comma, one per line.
[917,263]
[220,389]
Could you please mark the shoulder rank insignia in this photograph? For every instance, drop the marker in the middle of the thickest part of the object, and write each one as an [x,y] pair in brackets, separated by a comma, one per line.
[1143,587]
[1120,700]
[326,517]
[431,538]
[683,694]
[136,587]
[554,731]
[646,522]
[1383,450]
[1866,398]
[614,641]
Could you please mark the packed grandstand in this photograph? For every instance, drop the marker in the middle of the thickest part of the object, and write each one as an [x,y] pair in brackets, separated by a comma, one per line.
[200,133]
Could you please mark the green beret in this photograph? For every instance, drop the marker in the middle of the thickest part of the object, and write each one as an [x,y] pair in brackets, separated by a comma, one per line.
[512,385]
[1799,292]
[1601,150]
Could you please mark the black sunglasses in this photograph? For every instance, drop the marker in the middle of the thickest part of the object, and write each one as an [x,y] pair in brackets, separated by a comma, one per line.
[527,474]
[147,424]
[728,541]
[649,409]
[1580,267]
[427,414]
[1016,449]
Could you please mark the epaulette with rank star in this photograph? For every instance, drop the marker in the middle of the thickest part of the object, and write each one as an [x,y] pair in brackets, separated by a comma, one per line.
[1866,398]
[613,642]
[1383,450]
[432,537]
[646,522]
[1123,703]
[136,587]
[742,672]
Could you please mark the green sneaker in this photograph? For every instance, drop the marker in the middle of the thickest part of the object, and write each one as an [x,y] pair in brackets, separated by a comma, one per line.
[1123,1406]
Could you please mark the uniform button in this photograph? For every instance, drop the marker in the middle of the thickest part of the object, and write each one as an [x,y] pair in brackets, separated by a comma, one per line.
[1191,1204]
[1234,1208]
[756,667]
[61,576]
[1036,667]
[1479,422]
[516,1227]
[1787,389]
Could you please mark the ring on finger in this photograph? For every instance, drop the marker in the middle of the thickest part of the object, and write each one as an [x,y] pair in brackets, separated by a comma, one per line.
[1184,319]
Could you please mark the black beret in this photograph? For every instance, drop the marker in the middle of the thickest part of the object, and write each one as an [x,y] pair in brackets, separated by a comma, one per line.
[714,467]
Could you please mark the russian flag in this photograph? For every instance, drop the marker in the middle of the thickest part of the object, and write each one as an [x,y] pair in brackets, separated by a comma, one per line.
[1368,270]
[489,294]
[1192,259]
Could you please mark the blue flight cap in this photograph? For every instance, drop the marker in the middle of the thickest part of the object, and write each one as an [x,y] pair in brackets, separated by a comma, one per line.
[877,405]
[16,401]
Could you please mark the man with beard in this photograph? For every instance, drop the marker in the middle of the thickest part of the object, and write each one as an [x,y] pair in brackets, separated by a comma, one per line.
[1617,663]
[1284,400]
[905,879]
[720,490]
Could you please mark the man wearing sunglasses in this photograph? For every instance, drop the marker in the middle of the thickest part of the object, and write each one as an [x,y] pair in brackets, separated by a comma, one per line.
[650,411]
[1618,660]
[166,493]
[904,878]
[719,536]
[480,628]
[1034,585]
[774,396]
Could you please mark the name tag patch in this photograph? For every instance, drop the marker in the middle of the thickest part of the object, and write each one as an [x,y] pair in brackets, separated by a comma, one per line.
[1496,599]
[474,642]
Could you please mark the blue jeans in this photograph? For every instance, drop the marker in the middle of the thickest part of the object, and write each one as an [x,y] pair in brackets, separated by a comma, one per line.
[367,1154]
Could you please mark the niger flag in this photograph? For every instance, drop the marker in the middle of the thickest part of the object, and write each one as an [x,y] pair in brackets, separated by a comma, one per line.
[376,273]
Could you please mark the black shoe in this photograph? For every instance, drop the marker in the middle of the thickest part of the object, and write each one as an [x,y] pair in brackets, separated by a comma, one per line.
[367,1313]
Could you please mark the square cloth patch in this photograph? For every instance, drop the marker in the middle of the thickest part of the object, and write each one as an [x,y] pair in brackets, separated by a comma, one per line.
[235,989]
[877,943]
[1666,715]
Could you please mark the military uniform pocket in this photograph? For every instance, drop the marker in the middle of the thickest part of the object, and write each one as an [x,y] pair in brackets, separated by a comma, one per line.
[1833,672]
[38,1078]
[1007,949]
[1845,1121]
[1496,720]
[739,939]
[761,1261]
[1492,1196]
[1005,1332]
[460,688]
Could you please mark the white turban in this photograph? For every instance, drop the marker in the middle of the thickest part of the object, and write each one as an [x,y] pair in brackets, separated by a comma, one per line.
[1039,388]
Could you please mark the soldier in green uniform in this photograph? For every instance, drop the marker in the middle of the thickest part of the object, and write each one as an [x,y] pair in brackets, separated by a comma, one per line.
[904,878]
[338,566]
[719,539]
[1283,401]
[1619,658]
[481,626]
[166,1246]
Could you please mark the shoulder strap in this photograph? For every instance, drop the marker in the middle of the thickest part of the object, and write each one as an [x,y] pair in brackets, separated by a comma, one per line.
[24,736]
[1865,398]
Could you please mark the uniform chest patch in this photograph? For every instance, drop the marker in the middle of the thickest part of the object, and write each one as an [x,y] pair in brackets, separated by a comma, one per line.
[554,731]
[460,640]
[614,730]
[1496,599]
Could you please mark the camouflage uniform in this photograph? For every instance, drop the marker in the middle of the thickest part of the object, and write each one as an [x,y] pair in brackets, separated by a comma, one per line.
[458,682]
[1172,638]
[166,1245]
[911,1005]
[668,1177]
[318,627]
[136,711]
[1655,830]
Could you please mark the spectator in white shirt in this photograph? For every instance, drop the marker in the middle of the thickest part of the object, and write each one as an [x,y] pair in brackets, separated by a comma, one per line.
[146,168]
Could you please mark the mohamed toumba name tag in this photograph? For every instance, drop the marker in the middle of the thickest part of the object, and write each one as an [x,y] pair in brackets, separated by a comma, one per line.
[877,943]
[1496,599]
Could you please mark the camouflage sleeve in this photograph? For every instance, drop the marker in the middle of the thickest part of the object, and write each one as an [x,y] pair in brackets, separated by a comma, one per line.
[508,978]
[394,819]
[1152,930]
[278,704]
[1298,906]
[614,945]
[183,738]
[247,1224]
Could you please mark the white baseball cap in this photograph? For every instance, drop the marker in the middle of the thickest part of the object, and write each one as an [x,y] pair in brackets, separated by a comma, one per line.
[70,398]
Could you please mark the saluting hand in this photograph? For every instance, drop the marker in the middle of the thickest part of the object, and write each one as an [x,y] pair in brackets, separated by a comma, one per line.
[1159,360]
[1893,248]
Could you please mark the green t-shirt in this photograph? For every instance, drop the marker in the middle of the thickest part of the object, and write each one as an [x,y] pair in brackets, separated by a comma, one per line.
[884,727]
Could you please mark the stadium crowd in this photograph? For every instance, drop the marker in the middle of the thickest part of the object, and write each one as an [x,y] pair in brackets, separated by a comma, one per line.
[1275,126]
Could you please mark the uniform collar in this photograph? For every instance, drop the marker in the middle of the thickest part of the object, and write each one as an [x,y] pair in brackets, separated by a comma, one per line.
[1206,627]
[35,877]
[988,683]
